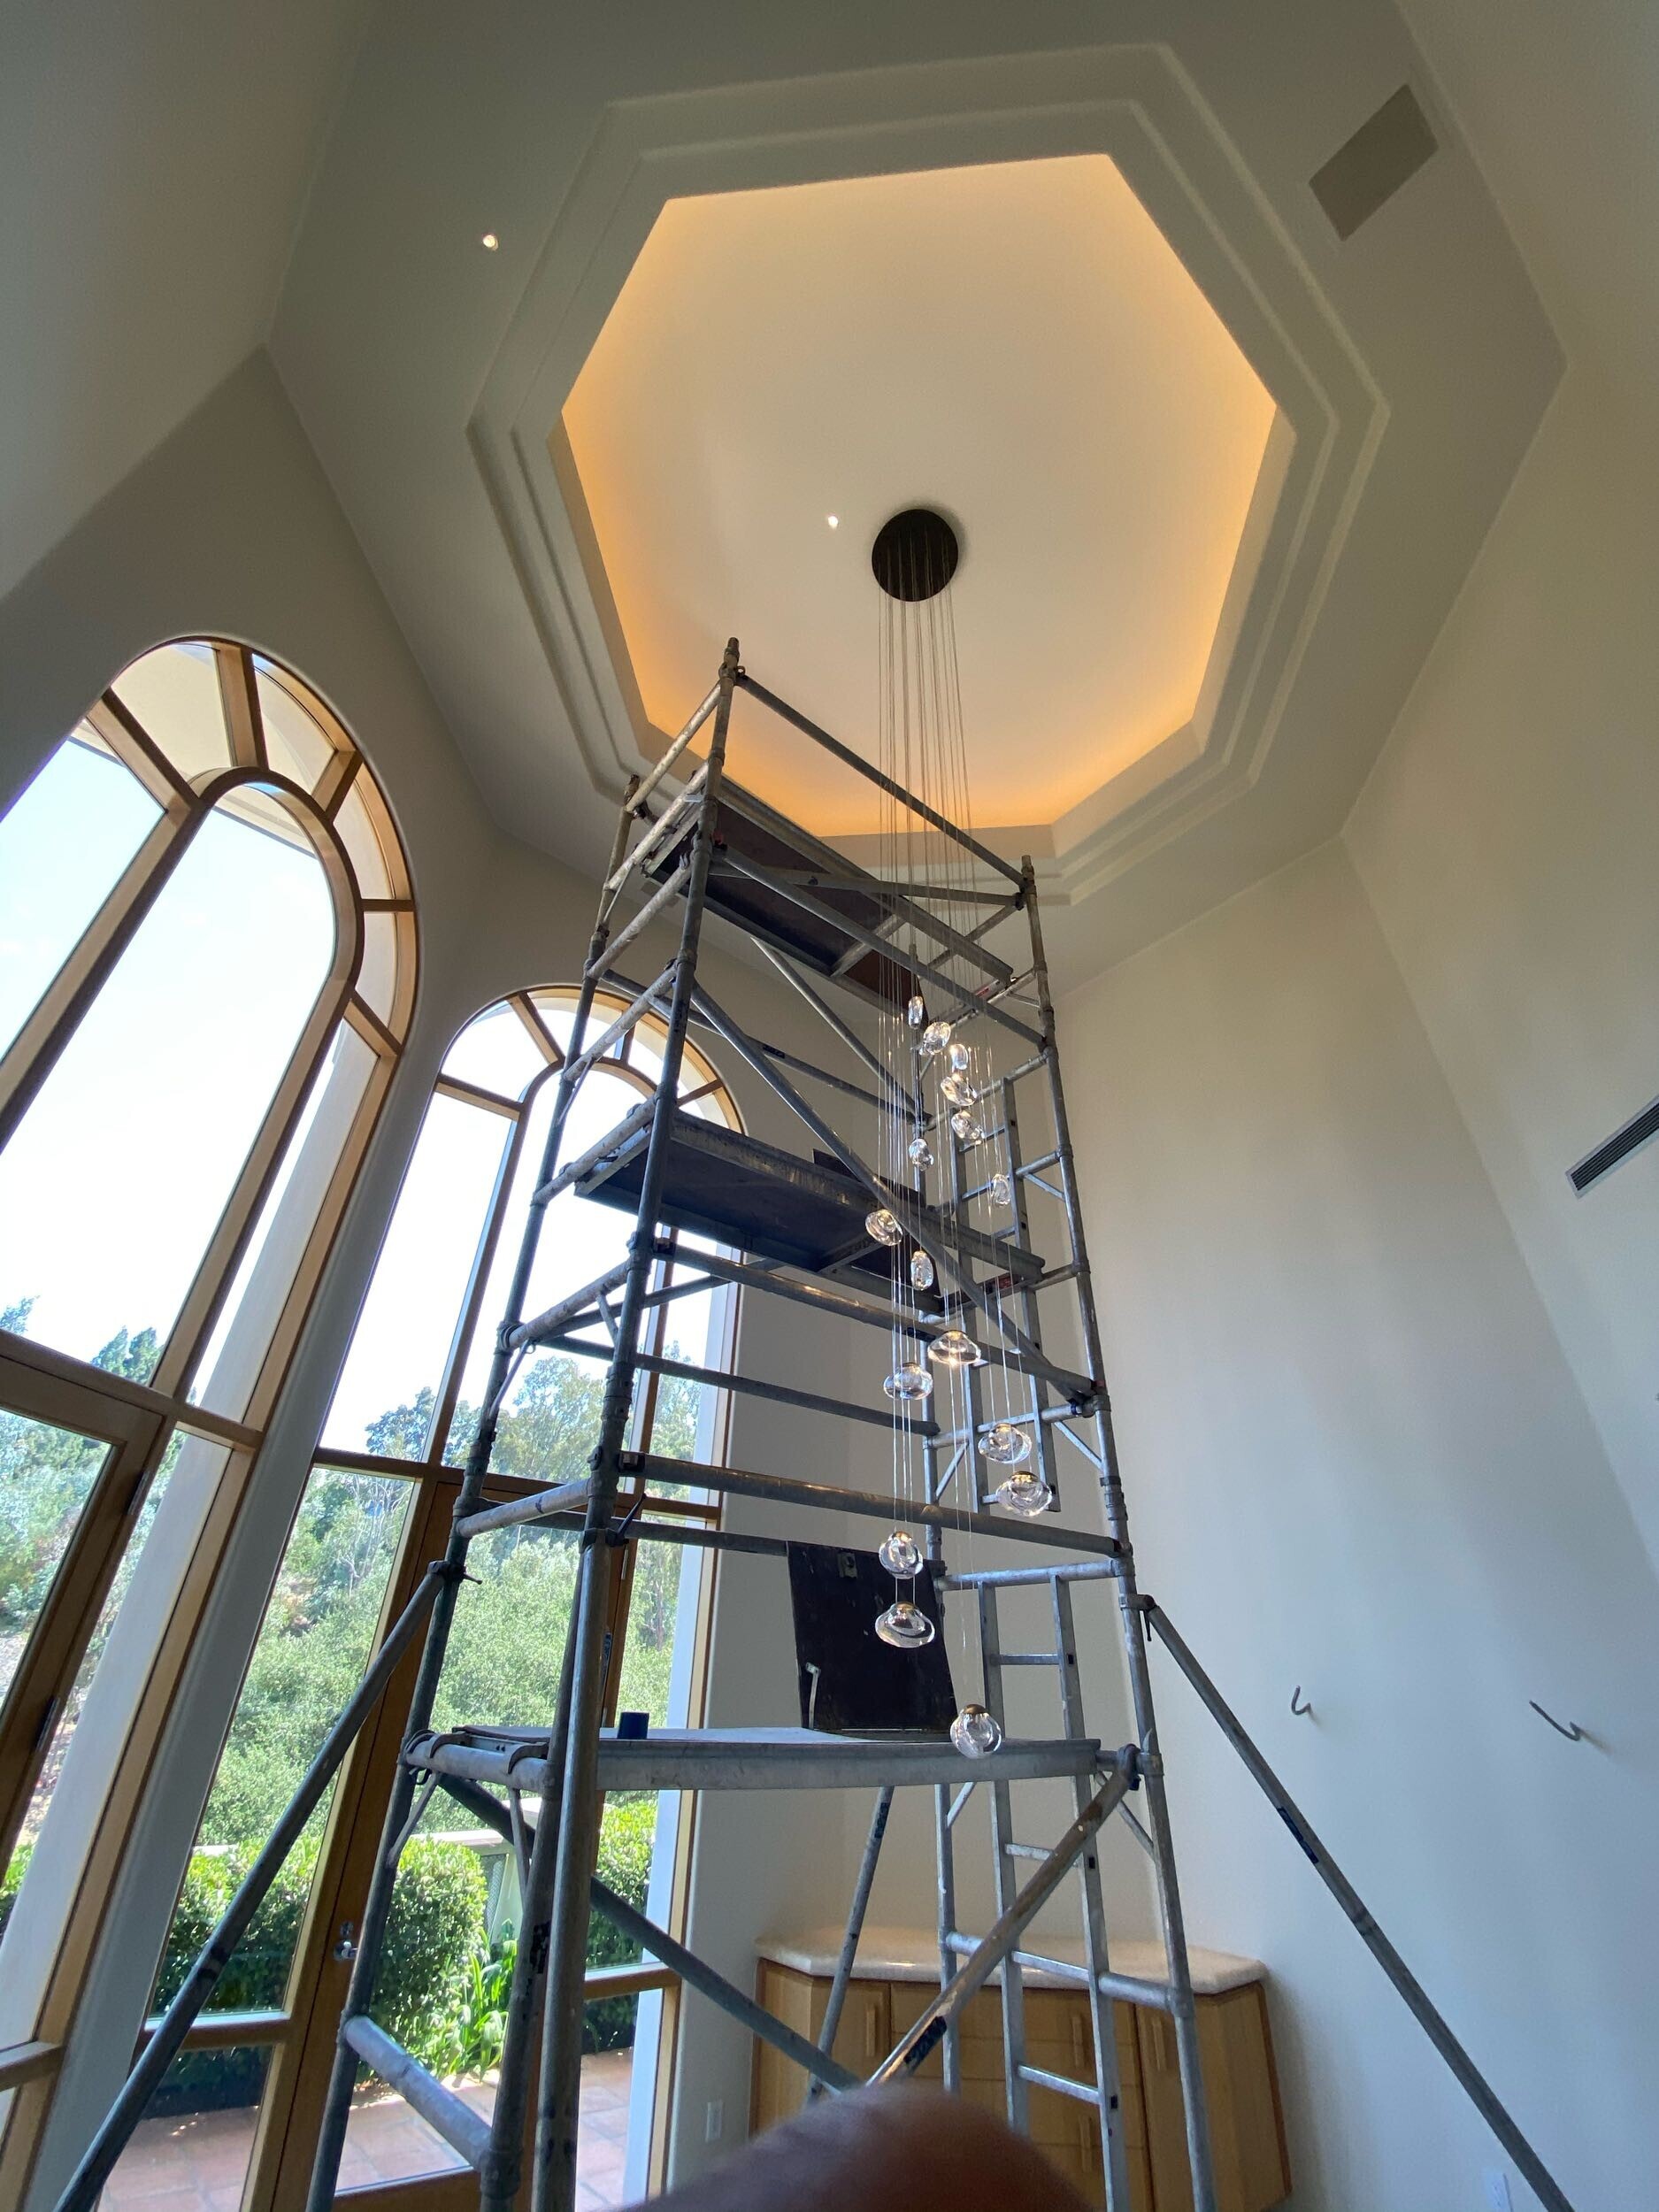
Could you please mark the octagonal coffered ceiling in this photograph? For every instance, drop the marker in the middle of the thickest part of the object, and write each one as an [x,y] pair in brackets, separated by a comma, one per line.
[1015,344]
[1212,519]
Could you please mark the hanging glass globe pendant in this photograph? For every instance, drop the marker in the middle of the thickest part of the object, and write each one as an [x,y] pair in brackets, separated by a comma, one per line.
[966,1127]
[902,1556]
[954,1349]
[975,1732]
[921,1271]
[915,1012]
[1000,1189]
[1004,1445]
[918,1151]
[905,1626]
[883,1228]
[959,1056]
[957,1090]
[935,1037]
[908,1382]
[1027,1495]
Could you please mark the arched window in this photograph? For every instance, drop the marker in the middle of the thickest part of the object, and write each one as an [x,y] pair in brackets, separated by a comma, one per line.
[207,965]
[378,1504]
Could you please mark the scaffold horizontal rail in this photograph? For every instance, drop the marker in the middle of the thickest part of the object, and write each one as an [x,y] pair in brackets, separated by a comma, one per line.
[750,1759]
[448,2115]
[791,1490]
[750,1385]
[845,754]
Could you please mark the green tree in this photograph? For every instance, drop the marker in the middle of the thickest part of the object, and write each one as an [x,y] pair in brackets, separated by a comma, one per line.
[45,1476]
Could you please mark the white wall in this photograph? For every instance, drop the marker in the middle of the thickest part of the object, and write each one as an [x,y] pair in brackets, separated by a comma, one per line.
[229,528]
[1357,1461]
[1509,841]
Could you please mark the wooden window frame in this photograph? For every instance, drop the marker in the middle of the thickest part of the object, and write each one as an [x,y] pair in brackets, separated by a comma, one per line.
[290,2105]
[140,1420]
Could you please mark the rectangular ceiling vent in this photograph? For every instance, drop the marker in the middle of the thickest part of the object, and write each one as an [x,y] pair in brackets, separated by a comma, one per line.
[1618,1146]
[1375,163]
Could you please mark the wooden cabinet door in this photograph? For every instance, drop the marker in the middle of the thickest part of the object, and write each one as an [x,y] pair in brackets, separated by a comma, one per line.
[1057,2038]
[1247,2130]
[862,2040]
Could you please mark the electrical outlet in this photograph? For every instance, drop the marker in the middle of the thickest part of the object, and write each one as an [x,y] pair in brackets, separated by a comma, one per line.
[714,2124]
[1497,2190]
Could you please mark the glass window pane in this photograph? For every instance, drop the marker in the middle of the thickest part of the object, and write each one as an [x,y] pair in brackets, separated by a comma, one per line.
[295,743]
[384,1397]
[457,1886]
[386,2142]
[355,822]
[315,1642]
[230,1364]
[557,1010]
[264,810]
[437,1933]
[112,1186]
[580,1239]
[63,847]
[610,2027]
[496,1052]
[68,1720]
[377,974]
[46,1475]
[174,693]
[190,2151]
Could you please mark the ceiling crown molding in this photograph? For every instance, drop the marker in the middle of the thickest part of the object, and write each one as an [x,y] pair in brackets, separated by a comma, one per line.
[1134,103]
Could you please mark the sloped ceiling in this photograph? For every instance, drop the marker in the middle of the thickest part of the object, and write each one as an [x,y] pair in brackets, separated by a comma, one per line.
[1562,107]
[153,164]
[194,178]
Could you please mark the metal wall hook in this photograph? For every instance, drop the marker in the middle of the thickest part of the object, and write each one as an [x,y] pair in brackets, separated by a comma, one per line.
[1572,1731]
[1304,1707]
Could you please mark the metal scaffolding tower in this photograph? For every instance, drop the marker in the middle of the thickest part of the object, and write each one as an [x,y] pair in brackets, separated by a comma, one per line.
[787,1227]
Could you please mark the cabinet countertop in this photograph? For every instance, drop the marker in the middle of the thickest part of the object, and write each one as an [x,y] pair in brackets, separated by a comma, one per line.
[911,1954]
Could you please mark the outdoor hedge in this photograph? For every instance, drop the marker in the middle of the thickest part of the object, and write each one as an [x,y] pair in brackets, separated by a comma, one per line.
[436,1947]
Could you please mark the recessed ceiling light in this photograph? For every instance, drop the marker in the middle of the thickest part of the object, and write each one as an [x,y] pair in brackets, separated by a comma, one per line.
[834,521]
[489,242]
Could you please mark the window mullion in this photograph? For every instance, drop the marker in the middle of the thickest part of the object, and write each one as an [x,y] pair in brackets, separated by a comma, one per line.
[472,1304]
[41,1040]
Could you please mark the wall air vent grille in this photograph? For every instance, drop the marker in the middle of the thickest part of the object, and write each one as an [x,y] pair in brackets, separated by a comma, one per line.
[1618,1146]
[1375,163]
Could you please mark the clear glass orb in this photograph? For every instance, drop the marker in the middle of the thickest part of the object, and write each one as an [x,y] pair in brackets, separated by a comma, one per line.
[905,1624]
[1027,1495]
[959,1056]
[901,1555]
[915,1012]
[1004,1445]
[909,1381]
[957,1090]
[921,1271]
[918,1151]
[954,1349]
[974,1732]
[935,1037]
[966,1127]
[1000,1191]
[883,1226]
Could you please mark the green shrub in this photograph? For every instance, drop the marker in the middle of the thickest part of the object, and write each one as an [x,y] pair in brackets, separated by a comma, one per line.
[624,1866]
[442,1985]
[437,1929]
[12,1881]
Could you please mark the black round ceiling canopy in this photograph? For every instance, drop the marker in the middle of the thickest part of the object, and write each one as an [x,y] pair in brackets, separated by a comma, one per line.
[914,554]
